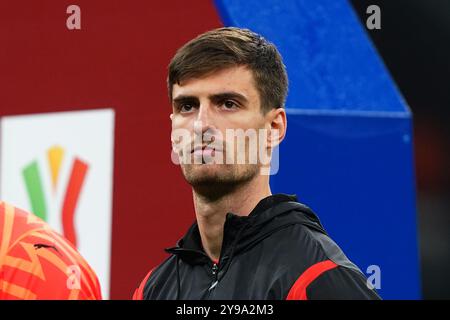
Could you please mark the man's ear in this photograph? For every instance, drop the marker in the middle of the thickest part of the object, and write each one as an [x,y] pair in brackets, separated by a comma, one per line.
[171,116]
[277,122]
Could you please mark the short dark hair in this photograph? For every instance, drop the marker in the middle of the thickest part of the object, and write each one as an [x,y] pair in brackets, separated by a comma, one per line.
[227,47]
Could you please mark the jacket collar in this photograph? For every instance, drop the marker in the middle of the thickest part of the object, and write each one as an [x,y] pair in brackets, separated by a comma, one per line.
[190,249]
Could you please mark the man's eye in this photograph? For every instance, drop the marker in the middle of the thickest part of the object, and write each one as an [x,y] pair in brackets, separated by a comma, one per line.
[229,104]
[186,107]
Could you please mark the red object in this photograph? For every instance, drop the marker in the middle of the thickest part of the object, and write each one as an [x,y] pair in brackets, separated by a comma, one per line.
[117,60]
[298,290]
[77,176]
[37,263]
[139,293]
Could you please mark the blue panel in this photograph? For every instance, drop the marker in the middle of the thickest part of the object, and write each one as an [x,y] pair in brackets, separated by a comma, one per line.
[356,173]
[330,62]
[348,151]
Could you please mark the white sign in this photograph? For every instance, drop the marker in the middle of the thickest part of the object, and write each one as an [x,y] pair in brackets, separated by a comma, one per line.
[60,167]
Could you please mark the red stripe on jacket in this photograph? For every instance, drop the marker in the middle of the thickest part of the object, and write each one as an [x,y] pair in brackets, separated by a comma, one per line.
[298,290]
[139,292]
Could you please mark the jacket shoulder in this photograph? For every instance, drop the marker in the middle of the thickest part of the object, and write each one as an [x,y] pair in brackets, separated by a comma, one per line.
[328,273]
[160,273]
[315,246]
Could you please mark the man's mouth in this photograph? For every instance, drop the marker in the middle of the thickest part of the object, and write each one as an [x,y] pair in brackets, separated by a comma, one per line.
[205,151]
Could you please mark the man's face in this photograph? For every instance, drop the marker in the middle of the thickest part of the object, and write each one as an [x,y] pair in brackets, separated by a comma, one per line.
[207,108]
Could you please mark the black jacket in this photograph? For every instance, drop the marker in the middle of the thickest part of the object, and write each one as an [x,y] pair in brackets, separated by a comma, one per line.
[279,251]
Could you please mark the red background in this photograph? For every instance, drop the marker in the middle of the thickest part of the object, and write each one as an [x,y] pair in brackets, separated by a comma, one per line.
[117,60]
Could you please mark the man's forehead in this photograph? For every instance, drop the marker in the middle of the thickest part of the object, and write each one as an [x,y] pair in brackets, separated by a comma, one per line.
[235,79]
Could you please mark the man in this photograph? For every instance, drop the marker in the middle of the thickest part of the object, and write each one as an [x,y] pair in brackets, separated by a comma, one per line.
[246,243]
[36,263]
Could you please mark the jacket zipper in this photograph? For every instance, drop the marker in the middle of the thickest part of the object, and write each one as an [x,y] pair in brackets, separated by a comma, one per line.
[215,274]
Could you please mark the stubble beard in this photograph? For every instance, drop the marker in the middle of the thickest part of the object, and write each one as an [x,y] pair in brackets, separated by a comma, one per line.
[213,181]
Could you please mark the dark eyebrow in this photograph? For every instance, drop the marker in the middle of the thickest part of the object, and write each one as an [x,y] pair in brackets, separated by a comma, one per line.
[217,97]
[184,98]
[228,95]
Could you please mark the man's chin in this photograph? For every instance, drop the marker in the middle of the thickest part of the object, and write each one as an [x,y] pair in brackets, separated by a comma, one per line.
[201,174]
[216,180]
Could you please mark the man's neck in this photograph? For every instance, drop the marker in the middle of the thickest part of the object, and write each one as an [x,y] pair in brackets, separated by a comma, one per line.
[211,213]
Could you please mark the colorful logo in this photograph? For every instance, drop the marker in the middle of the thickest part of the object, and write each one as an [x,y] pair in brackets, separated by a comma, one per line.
[67,182]
[35,190]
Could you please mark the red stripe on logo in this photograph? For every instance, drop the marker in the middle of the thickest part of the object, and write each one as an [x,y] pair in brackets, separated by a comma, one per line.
[74,186]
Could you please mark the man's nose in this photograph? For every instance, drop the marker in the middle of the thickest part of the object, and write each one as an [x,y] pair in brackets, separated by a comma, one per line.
[205,119]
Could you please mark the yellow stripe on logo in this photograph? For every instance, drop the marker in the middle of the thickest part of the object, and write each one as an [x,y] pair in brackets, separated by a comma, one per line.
[55,156]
